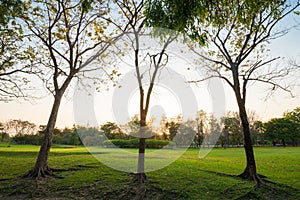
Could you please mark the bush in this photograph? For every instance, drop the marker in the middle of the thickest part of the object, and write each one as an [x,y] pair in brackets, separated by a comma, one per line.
[134,143]
[28,139]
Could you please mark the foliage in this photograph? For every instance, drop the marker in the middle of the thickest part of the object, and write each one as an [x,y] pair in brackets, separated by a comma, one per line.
[176,15]
[232,129]
[173,128]
[9,9]
[112,131]
[28,139]
[282,130]
[65,136]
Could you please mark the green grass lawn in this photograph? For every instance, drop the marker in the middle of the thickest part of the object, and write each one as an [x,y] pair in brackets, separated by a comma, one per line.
[81,176]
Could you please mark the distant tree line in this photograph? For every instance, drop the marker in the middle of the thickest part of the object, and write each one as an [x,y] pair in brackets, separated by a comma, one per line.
[277,131]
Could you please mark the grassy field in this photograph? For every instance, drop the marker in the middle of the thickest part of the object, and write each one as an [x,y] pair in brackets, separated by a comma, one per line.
[80,176]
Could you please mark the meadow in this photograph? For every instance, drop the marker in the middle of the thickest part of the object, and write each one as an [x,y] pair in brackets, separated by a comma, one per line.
[78,175]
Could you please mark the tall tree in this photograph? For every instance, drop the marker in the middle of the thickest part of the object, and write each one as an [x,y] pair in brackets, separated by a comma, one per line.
[133,11]
[237,33]
[67,37]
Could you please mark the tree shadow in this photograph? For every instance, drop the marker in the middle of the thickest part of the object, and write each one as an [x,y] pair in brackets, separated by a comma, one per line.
[228,175]
[23,154]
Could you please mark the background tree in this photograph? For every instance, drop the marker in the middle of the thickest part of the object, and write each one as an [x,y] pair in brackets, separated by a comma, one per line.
[3,132]
[201,127]
[237,32]
[257,132]
[232,130]
[112,131]
[173,128]
[19,127]
[282,130]
[214,128]
[294,118]
[68,36]
[163,129]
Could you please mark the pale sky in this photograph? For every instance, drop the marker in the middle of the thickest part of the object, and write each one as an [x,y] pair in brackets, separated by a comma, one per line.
[288,46]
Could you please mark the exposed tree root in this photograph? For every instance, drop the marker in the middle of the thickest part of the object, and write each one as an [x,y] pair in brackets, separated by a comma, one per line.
[253,177]
[38,172]
[140,178]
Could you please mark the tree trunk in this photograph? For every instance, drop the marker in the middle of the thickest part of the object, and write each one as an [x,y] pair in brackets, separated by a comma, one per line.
[41,168]
[141,176]
[250,170]
[283,143]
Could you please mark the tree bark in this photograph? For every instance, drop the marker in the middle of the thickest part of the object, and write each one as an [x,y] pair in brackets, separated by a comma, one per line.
[250,171]
[141,176]
[41,167]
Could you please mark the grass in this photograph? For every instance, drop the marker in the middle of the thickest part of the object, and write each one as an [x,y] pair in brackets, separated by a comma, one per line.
[84,177]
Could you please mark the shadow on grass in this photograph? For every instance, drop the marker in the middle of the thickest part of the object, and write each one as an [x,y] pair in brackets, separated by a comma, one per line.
[272,191]
[105,188]
[100,189]
[228,175]
[35,153]
[127,190]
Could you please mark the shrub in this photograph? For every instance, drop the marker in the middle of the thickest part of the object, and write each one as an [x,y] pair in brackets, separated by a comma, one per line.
[28,139]
[134,143]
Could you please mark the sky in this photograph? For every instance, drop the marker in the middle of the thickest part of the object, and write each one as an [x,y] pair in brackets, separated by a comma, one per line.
[164,101]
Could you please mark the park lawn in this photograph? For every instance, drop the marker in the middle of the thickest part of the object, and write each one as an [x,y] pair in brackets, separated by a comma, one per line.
[80,176]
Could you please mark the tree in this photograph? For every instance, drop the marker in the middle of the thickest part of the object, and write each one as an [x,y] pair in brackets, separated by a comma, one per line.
[112,131]
[163,129]
[232,128]
[294,115]
[257,132]
[173,128]
[69,37]
[134,14]
[3,132]
[282,129]
[214,129]
[237,32]
[19,127]
[202,129]
[186,133]
[134,126]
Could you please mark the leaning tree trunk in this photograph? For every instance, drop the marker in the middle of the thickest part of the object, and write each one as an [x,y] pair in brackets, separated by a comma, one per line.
[250,170]
[41,167]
